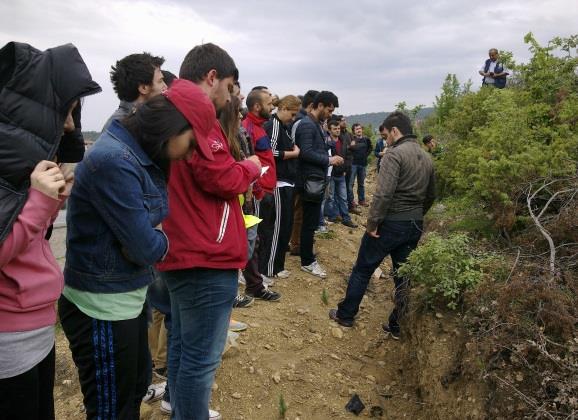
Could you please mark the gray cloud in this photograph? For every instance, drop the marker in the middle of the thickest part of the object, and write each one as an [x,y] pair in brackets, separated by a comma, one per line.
[372,54]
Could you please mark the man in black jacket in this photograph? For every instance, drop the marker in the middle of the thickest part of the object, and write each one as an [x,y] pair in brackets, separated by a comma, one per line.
[295,242]
[337,203]
[360,148]
[314,161]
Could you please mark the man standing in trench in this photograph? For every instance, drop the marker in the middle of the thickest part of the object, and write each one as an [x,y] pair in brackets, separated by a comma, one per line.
[405,192]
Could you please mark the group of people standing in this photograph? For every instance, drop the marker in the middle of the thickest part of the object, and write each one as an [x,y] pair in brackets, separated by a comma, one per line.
[179,199]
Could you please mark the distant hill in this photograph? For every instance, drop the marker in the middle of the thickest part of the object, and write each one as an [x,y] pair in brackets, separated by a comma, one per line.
[376,118]
[90,136]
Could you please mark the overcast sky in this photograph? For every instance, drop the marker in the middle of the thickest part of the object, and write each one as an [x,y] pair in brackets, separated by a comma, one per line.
[371,53]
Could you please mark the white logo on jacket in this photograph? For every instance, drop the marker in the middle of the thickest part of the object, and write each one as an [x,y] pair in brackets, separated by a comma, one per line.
[216,145]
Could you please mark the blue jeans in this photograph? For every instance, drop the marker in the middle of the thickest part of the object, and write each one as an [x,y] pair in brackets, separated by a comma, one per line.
[201,304]
[337,203]
[358,171]
[397,239]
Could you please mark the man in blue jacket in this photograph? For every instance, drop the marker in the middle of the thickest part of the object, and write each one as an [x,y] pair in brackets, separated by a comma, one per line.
[314,161]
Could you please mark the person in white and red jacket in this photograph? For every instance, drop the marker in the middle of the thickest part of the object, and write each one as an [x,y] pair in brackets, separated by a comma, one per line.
[208,244]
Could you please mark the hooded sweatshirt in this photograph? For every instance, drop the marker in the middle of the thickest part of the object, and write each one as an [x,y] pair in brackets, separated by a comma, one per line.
[36,91]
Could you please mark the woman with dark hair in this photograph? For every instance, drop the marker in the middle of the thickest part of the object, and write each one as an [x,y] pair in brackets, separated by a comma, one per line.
[39,103]
[115,237]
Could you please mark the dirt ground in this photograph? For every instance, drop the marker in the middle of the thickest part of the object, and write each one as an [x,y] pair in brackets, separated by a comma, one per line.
[294,352]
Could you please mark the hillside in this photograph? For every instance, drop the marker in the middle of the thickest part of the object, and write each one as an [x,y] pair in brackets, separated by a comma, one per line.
[376,118]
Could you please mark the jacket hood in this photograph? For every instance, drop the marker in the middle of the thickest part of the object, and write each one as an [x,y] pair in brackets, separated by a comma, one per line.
[36,91]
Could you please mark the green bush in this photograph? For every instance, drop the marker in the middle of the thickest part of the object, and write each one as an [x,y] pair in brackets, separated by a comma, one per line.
[444,266]
[498,141]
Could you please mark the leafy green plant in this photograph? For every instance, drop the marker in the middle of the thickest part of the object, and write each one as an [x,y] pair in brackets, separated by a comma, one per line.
[325,297]
[445,266]
[496,141]
[282,406]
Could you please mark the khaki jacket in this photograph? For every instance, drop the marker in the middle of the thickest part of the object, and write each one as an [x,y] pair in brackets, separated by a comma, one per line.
[405,184]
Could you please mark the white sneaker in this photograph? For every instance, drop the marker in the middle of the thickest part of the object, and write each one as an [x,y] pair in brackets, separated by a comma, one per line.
[166,407]
[315,269]
[283,274]
[267,281]
[322,229]
[214,415]
[237,326]
[155,392]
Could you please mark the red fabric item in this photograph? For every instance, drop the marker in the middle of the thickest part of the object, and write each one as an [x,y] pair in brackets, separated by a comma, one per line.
[262,145]
[30,279]
[205,225]
[338,146]
[198,110]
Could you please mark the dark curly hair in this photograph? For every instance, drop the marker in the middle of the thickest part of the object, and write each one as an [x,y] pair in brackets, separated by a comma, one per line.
[131,72]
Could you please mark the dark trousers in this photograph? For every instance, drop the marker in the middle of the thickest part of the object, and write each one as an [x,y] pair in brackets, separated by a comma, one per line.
[253,279]
[349,189]
[266,231]
[281,230]
[159,298]
[113,361]
[297,221]
[397,239]
[311,212]
[29,396]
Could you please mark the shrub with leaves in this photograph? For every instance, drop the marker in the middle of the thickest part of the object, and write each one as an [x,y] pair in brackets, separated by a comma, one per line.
[496,141]
[445,266]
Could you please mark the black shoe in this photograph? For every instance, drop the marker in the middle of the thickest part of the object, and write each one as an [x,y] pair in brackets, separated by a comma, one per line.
[267,295]
[390,331]
[243,301]
[161,373]
[342,322]
[349,223]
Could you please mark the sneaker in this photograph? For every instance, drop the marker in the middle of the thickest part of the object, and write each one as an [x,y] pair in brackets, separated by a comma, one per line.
[342,322]
[349,223]
[243,301]
[267,281]
[322,229]
[283,274]
[161,373]
[214,415]
[237,326]
[315,269]
[267,295]
[155,392]
[364,203]
[354,210]
[166,407]
[329,222]
[390,331]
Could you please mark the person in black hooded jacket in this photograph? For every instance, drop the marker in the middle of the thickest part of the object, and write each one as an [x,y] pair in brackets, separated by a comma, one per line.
[39,101]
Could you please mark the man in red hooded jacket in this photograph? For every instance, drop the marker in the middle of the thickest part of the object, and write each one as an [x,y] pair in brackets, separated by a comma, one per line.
[208,244]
